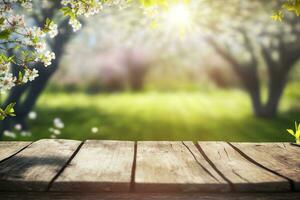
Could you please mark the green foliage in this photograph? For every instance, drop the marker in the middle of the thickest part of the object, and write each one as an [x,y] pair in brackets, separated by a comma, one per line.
[4,35]
[2,20]
[8,111]
[68,12]
[277,15]
[295,133]
[290,6]
[147,3]
[4,58]
[47,25]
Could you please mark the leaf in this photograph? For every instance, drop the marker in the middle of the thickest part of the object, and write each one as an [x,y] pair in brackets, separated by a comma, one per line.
[297,136]
[35,40]
[17,47]
[2,114]
[291,132]
[67,11]
[20,76]
[4,35]
[292,6]
[48,21]
[12,114]
[2,21]
[9,110]
[10,59]
[277,16]
[2,117]
[47,24]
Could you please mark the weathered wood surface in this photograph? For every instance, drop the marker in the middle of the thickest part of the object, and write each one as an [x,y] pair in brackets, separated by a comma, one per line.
[170,166]
[243,174]
[98,166]
[68,169]
[35,166]
[8,149]
[148,196]
[282,158]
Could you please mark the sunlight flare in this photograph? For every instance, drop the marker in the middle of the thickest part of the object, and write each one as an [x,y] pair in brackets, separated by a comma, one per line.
[178,15]
[178,18]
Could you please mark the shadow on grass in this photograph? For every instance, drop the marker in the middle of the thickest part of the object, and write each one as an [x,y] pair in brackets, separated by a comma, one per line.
[124,126]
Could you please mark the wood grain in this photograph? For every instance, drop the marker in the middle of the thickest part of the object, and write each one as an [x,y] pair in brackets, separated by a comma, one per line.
[10,148]
[33,168]
[160,167]
[243,174]
[148,196]
[98,166]
[170,166]
[283,158]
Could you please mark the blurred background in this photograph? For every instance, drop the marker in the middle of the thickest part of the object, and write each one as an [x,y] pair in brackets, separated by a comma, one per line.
[200,71]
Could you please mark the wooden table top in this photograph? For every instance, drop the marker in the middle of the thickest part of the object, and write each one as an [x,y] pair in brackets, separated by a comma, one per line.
[102,169]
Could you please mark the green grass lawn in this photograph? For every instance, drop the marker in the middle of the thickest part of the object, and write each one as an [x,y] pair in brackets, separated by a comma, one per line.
[210,115]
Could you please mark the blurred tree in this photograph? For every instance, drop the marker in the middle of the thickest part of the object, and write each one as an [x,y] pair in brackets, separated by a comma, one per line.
[254,41]
[26,95]
[137,68]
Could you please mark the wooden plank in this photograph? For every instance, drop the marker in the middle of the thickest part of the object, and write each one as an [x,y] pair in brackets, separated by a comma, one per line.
[147,196]
[295,144]
[98,166]
[243,174]
[10,148]
[171,167]
[282,158]
[223,184]
[33,168]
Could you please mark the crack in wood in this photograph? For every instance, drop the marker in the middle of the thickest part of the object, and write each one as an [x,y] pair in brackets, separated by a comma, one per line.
[214,167]
[207,163]
[291,182]
[240,176]
[226,153]
[200,163]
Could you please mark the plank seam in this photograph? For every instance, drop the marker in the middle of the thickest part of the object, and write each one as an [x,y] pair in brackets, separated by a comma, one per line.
[200,163]
[133,169]
[64,167]
[291,182]
[12,155]
[214,167]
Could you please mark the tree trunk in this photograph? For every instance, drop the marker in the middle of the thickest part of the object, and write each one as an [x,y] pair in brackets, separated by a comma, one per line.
[256,101]
[276,88]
